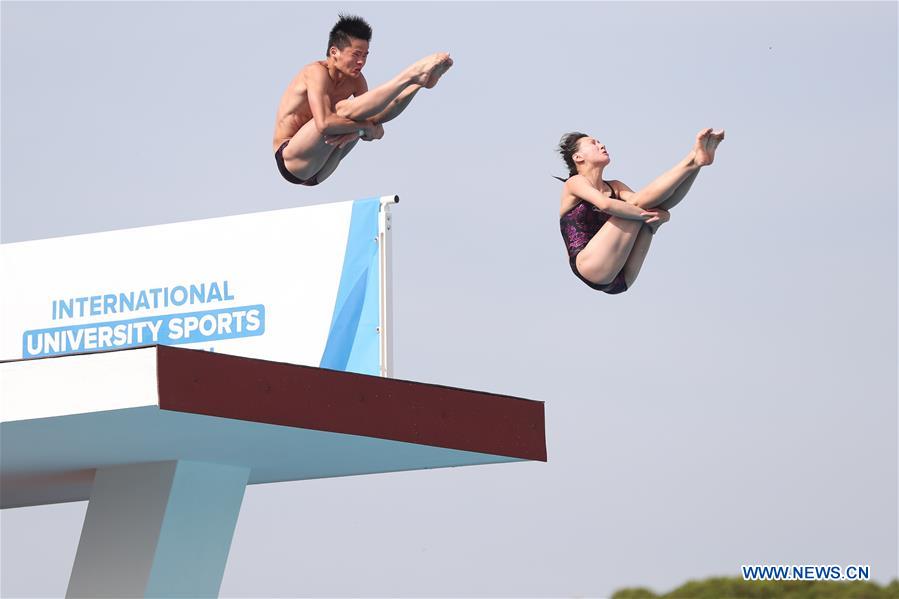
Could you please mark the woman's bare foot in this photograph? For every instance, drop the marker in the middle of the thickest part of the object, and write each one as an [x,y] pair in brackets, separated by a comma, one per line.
[422,71]
[706,143]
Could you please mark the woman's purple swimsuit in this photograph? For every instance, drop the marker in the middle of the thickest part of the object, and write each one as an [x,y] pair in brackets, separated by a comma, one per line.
[579,225]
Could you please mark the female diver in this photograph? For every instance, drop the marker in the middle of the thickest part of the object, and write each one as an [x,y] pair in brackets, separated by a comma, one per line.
[607,227]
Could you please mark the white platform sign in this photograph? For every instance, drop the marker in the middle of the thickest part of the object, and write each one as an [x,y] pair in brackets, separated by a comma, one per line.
[303,285]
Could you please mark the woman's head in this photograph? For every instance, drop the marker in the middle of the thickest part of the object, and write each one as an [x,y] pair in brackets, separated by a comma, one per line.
[578,149]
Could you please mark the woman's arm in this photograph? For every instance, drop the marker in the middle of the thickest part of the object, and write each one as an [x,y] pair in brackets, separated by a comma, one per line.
[661,188]
[580,187]
[624,192]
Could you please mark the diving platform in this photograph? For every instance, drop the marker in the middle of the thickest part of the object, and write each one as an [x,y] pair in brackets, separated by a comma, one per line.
[162,441]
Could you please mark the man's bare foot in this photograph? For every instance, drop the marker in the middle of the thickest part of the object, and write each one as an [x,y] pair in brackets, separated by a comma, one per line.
[706,143]
[438,72]
[421,71]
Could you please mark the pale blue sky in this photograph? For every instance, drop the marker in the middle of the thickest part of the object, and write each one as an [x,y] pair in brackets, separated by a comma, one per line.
[737,406]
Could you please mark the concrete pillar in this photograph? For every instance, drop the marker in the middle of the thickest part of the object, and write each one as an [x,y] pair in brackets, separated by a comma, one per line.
[158,529]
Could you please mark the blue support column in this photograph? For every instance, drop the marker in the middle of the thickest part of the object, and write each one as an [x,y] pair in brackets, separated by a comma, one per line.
[160,529]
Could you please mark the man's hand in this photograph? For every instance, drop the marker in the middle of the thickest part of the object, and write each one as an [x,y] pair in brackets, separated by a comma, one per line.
[341,139]
[367,131]
[373,132]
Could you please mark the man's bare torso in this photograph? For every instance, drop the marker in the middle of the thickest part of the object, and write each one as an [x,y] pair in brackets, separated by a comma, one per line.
[294,110]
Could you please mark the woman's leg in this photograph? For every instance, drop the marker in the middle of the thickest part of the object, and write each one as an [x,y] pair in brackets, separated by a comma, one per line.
[606,254]
[670,188]
[622,244]
[657,192]
[638,254]
[704,155]
[678,194]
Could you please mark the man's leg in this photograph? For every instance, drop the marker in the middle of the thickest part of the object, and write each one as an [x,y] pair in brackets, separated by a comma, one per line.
[307,152]
[335,158]
[425,73]
[398,105]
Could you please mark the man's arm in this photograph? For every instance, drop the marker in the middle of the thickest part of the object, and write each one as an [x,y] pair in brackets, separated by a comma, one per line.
[366,131]
[372,133]
[373,130]
[326,121]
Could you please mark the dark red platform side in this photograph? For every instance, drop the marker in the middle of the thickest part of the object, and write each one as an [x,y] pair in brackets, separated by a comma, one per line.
[202,382]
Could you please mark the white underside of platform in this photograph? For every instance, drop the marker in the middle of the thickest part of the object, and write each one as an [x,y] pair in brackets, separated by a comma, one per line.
[63,418]
[52,460]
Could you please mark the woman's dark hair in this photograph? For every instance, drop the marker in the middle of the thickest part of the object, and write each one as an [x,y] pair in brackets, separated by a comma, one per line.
[567,148]
[349,26]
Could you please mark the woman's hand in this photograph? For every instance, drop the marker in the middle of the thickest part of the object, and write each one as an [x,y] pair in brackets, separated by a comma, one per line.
[662,216]
[650,216]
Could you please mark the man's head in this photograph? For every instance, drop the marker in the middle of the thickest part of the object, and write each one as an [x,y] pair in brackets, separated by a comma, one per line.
[348,44]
